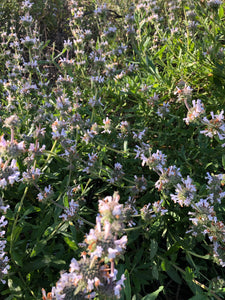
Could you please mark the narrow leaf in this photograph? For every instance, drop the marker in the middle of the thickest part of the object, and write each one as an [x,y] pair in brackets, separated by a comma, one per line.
[127,289]
[153,295]
[153,248]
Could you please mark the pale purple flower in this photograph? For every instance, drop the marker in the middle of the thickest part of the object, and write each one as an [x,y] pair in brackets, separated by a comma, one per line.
[112,253]
[74,265]
[185,192]
[97,252]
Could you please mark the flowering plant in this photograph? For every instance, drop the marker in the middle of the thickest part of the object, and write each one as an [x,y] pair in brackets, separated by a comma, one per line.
[118,99]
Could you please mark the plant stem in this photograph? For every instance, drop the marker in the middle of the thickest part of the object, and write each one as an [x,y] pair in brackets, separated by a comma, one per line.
[16,219]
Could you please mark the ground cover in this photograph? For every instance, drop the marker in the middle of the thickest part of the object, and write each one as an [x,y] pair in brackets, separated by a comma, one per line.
[112,150]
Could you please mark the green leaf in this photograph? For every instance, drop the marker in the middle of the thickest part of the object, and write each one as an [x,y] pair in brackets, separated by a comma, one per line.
[127,289]
[165,265]
[146,42]
[155,272]
[199,297]
[221,12]
[223,161]
[125,146]
[71,244]
[189,276]
[38,248]
[153,295]
[16,233]
[153,248]
[160,52]
[30,210]
[14,286]
[43,262]
[17,257]
[174,275]
[138,256]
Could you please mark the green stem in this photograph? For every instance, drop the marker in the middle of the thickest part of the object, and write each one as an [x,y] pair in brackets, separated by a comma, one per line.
[84,190]
[79,217]
[109,148]
[193,280]
[133,228]
[54,231]
[50,155]
[24,282]
[86,221]
[16,219]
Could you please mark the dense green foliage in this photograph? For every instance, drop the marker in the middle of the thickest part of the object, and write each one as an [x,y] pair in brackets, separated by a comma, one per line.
[112,99]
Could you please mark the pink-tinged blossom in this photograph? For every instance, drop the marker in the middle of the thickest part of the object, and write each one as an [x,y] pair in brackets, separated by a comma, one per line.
[215,126]
[107,228]
[58,129]
[96,268]
[117,210]
[11,148]
[184,92]
[31,174]
[88,135]
[43,195]
[35,148]
[107,125]
[66,79]
[91,237]
[195,112]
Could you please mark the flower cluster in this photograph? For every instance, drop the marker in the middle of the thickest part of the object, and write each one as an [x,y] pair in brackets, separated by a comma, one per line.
[185,192]
[205,222]
[4,267]
[213,127]
[194,112]
[95,114]
[116,174]
[70,211]
[9,173]
[95,273]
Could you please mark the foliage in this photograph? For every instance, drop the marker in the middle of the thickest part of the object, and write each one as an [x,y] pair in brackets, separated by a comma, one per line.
[102,99]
